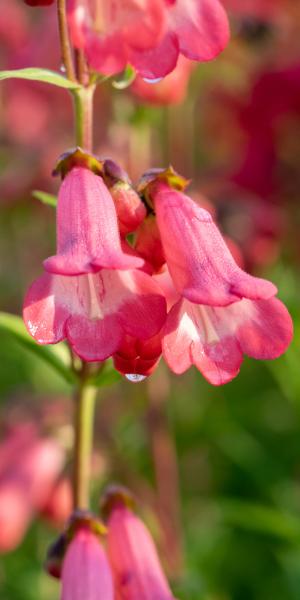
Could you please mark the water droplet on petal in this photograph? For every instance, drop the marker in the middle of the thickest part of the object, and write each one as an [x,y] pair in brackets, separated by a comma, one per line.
[62,68]
[152,80]
[135,378]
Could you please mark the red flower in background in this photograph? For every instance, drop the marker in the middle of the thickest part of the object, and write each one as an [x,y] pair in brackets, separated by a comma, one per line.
[150,34]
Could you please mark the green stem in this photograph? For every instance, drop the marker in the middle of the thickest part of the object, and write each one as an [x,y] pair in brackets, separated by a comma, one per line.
[83,109]
[84,405]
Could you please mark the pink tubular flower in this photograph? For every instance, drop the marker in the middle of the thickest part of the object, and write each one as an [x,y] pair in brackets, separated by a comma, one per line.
[133,558]
[86,573]
[199,261]
[94,312]
[88,238]
[214,339]
[149,34]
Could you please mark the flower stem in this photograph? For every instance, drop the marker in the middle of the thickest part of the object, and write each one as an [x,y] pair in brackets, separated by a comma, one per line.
[66,51]
[84,405]
[83,109]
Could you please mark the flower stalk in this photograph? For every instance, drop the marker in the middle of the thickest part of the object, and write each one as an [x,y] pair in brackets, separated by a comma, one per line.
[66,50]
[84,405]
[83,113]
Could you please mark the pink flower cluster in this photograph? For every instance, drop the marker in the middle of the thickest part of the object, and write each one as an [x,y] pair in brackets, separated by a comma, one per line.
[175,290]
[128,569]
[148,34]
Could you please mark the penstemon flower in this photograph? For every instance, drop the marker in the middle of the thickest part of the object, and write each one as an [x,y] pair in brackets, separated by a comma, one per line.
[149,34]
[92,295]
[136,568]
[217,311]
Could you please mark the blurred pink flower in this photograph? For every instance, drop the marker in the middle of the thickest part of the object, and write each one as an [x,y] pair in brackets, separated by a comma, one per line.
[262,9]
[133,557]
[86,573]
[58,506]
[149,34]
[29,468]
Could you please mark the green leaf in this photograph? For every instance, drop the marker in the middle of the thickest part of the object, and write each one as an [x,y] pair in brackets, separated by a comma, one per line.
[44,75]
[53,355]
[106,376]
[260,518]
[126,79]
[45,198]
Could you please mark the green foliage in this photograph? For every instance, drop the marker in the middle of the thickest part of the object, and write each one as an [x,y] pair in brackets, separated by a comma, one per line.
[56,355]
[42,75]
[45,198]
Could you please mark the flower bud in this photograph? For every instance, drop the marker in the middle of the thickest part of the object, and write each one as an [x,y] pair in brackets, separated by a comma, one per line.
[132,554]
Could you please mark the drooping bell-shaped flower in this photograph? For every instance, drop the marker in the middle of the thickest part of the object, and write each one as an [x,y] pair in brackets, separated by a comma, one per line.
[88,238]
[86,572]
[136,568]
[95,311]
[214,339]
[199,261]
[149,34]
[110,30]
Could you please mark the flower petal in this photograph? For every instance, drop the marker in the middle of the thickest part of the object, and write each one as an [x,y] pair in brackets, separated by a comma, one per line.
[143,309]
[267,329]
[200,263]
[215,338]
[201,27]
[94,340]
[87,228]
[86,572]
[134,560]
[45,312]
[157,62]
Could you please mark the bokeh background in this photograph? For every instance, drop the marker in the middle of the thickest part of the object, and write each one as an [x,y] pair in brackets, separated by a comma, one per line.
[216,470]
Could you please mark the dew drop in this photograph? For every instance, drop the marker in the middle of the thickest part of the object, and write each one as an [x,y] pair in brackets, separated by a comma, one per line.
[135,378]
[152,80]
[62,68]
